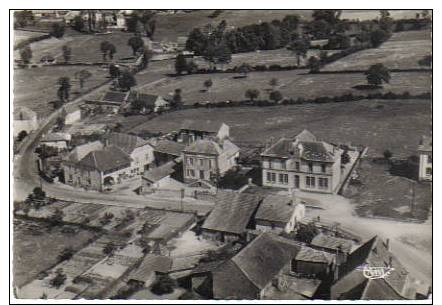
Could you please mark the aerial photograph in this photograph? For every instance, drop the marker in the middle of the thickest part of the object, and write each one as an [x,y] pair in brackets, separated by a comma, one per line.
[221,154]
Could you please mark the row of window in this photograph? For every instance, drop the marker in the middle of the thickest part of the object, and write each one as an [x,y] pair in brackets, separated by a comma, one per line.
[201,162]
[310,182]
[192,174]
[298,166]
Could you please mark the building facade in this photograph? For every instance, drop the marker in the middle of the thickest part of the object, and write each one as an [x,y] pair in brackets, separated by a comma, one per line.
[302,163]
[426,159]
[24,120]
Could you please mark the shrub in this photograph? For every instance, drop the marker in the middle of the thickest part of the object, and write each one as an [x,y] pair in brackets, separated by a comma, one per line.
[163,285]
[59,279]
[66,254]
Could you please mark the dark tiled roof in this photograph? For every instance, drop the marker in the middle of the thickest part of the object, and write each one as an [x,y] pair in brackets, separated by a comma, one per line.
[207,267]
[308,254]
[282,148]
[263,258]
[81,151]
[275,208]
[106,159]
[232,212]
[169,147]
[151,263]
[160,172]
[200,125]
[306,136]
[147,99]
[317,151]
[115,97]
[125,142]
[212,147]
[332,243]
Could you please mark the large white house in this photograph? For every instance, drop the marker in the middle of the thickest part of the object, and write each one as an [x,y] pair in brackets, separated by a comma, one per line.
[24,120]
[302,163]
[425,150]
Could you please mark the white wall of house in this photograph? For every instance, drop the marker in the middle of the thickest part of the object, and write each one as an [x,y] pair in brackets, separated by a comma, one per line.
[142,157]
[60,145]
[161,102]
[26,125]
[426,166]
[72,117]
[223,132]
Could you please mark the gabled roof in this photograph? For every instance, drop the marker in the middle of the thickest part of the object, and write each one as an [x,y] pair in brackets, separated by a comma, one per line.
[169,147]
[115,97]
[232,212]
[151,263]
[126,142]
[160,172]
[308,254]
[200,125]
[212,147]
[105,159]
[81,151]
[275,208]
[375,253]
[317,151]
[306,136]
[148,100]
[332,243]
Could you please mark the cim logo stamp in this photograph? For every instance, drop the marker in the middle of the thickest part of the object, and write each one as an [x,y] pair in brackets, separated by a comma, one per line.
[374,273]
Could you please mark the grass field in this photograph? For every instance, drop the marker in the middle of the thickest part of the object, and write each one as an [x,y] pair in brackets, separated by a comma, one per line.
[402,51]
[36,248]
[20,36]
[36,87]
[394,125]
[292,84]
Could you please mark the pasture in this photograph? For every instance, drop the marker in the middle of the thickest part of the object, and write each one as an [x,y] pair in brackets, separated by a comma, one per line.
[396,125]
[402,51]
[35,88]
[292,84]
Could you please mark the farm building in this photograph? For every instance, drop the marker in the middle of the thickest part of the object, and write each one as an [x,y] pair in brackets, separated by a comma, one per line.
[24,120]
[145,274]
[160,177]
[166,151]
[205,159]
[278,214]
[231,216]
[339,246]
[303,163]
[147,102]
[112,100]
[193,130]
[425,151]
[58,140]
[72,114]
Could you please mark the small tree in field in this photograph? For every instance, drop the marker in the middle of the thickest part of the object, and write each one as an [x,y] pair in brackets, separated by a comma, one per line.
[114,71]
[22,134]
[82,76]
[177,100]
[104,46]
[208,83]
[244,69]
[314,64]
[126,80]
[273,83]
[387,154]
[377,74]
[58,279]
[135,43]
[252,94]
[275,96]
[66,254]
[26,54]
[300,47]
[38,193]
[180,64]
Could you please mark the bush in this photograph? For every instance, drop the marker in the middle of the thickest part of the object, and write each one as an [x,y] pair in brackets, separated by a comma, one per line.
[59,279]
[163,285]
[66,254]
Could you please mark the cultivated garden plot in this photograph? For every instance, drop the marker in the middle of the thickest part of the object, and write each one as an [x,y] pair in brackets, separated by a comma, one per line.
[38,86]
[402,51]
[393,124]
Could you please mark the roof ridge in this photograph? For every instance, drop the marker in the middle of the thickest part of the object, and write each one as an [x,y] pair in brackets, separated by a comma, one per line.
[245,273]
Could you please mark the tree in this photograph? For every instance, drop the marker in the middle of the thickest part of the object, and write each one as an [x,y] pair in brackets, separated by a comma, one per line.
[147,56]
[377,74]
[180,64]
[26,54]
[109,249]
[378,37]
[273,83]
[67,53]
[126,80]
[114,71]
[306,233]
[223,55]
[252,94]
[314,64]
[387,154]
[82,76]
[244,69]
[57,30]
[300,47]
[163,285]
[385,22]
[21,135]
[64,89]
[197,42]
[78,23]
[58,279]
[111,49]
[275,96]
[345,157]
[177,99]
[104,47]
[66,254]
[38,193]
[208,83]
[135,43]
[192,67]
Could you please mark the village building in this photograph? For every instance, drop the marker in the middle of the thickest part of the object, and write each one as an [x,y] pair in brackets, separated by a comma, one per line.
[278,214]
[111,100]
[192,131]
[147,103]
[302,163]
[398,285]
[208,159]
[166,151]
[24,120]
[425,151]
[150,267]
[58,140]
[139,150]
[71,114]
[161,177]
[105,169]
[339,246]
[231,217]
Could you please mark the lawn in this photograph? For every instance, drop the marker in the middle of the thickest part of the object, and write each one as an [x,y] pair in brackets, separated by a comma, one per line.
[395,125]
[292,84]
[36,87]
[36,248]
[384,195]
[402,51]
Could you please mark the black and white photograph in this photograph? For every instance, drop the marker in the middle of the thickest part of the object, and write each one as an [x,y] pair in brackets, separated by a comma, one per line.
[221,154]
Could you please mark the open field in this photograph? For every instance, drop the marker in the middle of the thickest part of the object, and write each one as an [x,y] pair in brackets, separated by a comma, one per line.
[292,84]
[373,14]
[36,87]
[402,51]
[36,248]
[20,36]
[395,125]
[384,195]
